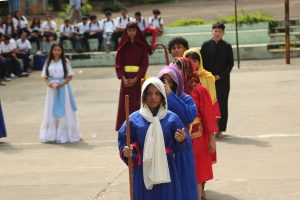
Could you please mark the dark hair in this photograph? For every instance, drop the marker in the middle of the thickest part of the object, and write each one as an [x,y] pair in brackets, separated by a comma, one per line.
[124,9]
[93,17]
[219,25]
[156,11]
[193,55]
[178,40]
[62,57]
[7,37]
[84,18]
[108,12]
[145,93]
[138,13]
[33,23]
[132,25]
[67,20]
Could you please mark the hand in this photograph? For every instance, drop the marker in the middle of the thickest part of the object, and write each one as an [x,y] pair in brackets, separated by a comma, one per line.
[125,82]
[212,143]
[180,135]
[128,151]
[217,77]
[167,88]
[131,82]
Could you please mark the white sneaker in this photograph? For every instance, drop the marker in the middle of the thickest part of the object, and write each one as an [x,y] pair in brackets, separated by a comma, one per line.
[12,75]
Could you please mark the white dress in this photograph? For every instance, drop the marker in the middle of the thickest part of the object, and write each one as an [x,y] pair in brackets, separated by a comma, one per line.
[59,129]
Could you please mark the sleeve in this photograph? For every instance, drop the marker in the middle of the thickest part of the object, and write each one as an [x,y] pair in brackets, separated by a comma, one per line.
[117,22]
[185,108]
[205,110]
[62,29]
[44,75]
[229,63]
[69,68]
[28,45]
[118,66]
[162,21]
[136,159]
[54,25]
[186,144]
[150,21]
[43,26]
[144,64]
[101,24]
[15,23]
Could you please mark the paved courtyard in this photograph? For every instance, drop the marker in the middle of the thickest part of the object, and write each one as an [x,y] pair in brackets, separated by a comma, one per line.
[258,159]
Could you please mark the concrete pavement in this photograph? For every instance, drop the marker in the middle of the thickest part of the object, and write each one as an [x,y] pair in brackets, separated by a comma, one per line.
[258,159]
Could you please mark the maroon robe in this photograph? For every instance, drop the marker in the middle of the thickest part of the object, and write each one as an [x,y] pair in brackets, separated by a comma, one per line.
[131,54]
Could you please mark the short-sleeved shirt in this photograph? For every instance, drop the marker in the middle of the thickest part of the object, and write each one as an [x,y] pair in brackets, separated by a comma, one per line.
[122,22]
[142,24]
[95,26]
[36,28]
[23,45]
[2,28]
[23,22]
[6,48]
[108,26]
[82,28]
[67,30]
[156,22]
[56,70]
[47,26]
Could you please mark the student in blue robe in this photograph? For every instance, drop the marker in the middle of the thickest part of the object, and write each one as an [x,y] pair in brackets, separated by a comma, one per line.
[156,134]
[2,124]
[183,105]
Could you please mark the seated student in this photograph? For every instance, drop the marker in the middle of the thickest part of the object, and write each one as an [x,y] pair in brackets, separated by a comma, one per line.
[141,21]
[95,30]
[156,25]
[4,64]
[9,27]
[20,22]
[121,23]
[177,46]
[108,30]
[49,31]
[8,51]
[67,32]
[2,25]
[22,51]
[36,31]
[82,30]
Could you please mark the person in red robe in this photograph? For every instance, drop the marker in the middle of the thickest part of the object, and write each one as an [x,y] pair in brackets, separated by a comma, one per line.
[131,66]
[204,126]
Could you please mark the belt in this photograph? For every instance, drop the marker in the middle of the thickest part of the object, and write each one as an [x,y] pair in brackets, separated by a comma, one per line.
[168,150]
[195,130]
[131,68]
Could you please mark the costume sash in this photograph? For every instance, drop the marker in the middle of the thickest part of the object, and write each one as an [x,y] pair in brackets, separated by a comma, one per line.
[59,98]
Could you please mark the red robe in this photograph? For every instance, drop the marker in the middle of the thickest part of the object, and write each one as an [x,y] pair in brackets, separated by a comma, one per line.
[202,156]
[131,54]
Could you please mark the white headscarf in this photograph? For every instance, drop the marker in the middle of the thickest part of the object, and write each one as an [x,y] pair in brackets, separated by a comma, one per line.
[155,163]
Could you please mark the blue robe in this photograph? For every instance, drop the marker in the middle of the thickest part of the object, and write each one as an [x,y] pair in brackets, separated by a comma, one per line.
[2,124]
[138,130]
[185,108]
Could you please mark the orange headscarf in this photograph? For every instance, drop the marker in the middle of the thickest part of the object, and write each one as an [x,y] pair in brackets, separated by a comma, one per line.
[206,77]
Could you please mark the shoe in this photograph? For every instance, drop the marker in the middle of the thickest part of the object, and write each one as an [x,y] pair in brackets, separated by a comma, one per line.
[12,75]
[39,52]
[7,79]
[2,83]
[220,134]
[24,74]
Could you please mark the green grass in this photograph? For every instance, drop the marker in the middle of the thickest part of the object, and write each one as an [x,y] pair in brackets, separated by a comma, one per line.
[186,22]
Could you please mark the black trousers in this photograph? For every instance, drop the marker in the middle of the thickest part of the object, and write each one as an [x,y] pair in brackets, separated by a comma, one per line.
[115,38]
[26,60]
[222,89]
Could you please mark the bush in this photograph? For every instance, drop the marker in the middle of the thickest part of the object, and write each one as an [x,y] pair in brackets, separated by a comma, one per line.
[112,6]
[87,8]
[186,22]
[247,18]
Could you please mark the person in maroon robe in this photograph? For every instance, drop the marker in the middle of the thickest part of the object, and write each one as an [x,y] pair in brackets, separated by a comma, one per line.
[131,66]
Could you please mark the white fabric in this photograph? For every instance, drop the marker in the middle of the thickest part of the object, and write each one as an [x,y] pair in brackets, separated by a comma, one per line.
[59,129]
[108,26]
[2,28]
[6,48]
[142,23]
[98,26]
[23,45]
[82,28]
[36,28]
[9,30]
[23,22]
[67,30]
[155,163]
[155,21]
[46,26]
[122,22]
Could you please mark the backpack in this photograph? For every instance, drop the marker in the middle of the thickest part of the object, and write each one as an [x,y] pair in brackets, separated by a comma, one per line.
[159,19]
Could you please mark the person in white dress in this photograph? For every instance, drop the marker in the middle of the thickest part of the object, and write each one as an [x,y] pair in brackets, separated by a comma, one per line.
[59,123]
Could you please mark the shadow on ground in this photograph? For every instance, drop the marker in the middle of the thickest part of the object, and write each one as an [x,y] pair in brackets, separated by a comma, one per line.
[243,141]
[213,195]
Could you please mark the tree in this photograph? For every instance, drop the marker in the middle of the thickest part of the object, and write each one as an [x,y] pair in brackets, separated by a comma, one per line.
[58,5]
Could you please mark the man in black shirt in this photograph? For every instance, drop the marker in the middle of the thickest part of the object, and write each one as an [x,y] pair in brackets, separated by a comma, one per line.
[218,59]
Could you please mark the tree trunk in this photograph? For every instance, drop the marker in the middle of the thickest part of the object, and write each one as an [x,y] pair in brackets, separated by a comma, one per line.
[58,5]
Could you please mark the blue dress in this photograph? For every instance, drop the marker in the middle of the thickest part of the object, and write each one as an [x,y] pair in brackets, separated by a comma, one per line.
[2,124]
[185,108]
[138,130]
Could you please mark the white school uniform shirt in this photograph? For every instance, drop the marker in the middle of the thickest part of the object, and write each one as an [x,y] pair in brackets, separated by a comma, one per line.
[2,28]
[56,69]
[26,46]
[108,26]
[82,28]
[36,28]
[95,26]
[13,43]
[155,21]
[122,22]
[67,31]
[23,22]
[6,48]
[47,26]
[142,24]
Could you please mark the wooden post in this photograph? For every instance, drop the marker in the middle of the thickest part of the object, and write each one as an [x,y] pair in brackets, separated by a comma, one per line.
[165,49]
[287,32]
[128,144]
[237,35]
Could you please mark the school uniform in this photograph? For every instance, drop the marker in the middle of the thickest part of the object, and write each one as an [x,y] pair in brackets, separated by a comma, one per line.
[67,33]
[24,53]
[121,22]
